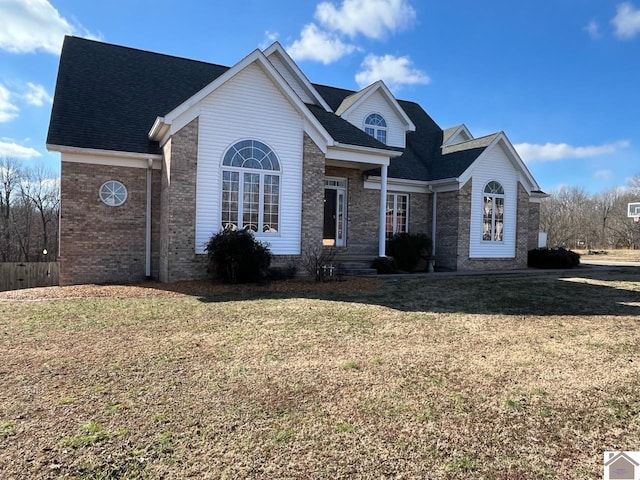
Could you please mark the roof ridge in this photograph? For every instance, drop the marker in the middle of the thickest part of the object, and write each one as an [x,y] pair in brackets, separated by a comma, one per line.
[141,50]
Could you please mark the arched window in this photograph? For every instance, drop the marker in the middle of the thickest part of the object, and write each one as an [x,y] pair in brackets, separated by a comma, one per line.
[493,212]
[376,126]
[251,187]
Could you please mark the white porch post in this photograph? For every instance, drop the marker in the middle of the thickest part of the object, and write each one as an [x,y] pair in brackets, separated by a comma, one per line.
[383,212]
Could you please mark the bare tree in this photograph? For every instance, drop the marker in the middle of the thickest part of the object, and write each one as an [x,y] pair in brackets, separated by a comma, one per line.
[29,208]
[9,182]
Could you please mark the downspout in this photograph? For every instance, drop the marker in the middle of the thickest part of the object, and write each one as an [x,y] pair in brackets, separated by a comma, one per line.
[147,247]
[433,221]
[383,212]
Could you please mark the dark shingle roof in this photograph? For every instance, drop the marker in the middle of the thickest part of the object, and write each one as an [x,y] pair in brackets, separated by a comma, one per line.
[108,96]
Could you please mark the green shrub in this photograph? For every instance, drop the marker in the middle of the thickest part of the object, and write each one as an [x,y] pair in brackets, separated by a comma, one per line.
[237,257]
[408,248]
[552,258]
[385,265]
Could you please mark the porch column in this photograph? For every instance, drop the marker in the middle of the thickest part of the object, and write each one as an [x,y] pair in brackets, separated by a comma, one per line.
[383,212]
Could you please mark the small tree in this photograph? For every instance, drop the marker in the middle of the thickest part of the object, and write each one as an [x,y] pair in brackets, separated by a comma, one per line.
[237,257]
[315,259]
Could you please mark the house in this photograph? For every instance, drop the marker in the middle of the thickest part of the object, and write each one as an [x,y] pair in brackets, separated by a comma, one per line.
[620,466]
[160,152]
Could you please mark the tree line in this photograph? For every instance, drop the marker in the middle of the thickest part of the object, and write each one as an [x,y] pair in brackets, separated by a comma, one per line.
[576,219]
[29,212]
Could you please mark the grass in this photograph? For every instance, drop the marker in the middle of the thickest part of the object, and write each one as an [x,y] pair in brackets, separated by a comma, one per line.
[492,377]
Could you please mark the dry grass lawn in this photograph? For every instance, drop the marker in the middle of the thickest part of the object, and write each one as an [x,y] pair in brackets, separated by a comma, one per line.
[496,377]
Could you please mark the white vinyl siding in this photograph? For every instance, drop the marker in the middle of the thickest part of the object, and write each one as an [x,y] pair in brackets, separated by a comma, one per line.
[458,138]
[494,165]
[290,78]
[249,106]
[377,103]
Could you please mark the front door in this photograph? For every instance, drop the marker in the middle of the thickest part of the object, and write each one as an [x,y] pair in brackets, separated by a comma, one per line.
[335,212]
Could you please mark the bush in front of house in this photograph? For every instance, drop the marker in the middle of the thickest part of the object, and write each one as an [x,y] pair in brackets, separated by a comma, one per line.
[408,249]
[552,258]
[237,257]
[385,265]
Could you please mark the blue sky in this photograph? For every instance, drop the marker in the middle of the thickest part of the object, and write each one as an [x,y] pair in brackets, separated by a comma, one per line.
[561,78]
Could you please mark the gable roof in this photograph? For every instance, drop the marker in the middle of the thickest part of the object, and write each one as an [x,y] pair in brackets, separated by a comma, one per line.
[352,101]
[108,96]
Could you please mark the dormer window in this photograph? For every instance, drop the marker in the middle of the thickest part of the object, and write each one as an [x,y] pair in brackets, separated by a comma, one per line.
[376,126]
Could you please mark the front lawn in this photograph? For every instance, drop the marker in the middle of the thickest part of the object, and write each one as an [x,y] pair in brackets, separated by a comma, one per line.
[492,377]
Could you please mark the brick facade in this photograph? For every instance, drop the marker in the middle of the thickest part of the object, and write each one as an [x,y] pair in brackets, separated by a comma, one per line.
[447,228]
[178,260]
[100,243]
[312,195]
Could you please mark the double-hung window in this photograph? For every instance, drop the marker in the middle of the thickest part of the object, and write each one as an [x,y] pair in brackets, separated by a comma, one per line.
[493,212]
[376,126]
[251,188]
[397,220]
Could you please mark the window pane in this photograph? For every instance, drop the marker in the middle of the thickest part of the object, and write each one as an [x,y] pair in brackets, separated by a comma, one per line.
[499,213]
[230,188]
[389,216]
[487,217]
[270,204]
[381,135]
[401,214]
[250,201]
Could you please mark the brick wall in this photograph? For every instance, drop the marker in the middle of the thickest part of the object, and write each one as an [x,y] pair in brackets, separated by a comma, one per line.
[447,227]
[420,217]
[178,260]
[534,225]
[312,195]
[99,243]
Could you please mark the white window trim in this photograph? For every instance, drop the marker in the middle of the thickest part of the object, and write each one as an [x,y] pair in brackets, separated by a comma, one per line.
[493,197]
[395,196]
[104,197]
[377,128]
[262,173]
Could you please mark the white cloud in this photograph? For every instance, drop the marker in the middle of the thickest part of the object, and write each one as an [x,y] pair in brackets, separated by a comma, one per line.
[37,95]
[315,44]
[593,29]
[32,25]
[371,18]
[269,38]
[394,71]
[13,150]
[627,21]
[604,174]
[531,152]
[8,111]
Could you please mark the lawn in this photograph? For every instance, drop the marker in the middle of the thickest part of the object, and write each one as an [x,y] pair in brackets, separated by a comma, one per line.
[442,377]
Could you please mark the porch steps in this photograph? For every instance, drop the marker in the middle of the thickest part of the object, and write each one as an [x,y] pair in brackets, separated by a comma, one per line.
[350,264]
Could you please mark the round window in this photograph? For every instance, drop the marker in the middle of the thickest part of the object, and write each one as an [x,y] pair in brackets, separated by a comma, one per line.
[113,193]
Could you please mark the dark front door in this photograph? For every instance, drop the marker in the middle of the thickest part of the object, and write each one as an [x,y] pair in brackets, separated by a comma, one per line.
[330,204]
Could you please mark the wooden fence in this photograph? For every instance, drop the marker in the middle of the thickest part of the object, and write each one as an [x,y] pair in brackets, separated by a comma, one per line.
[14,276]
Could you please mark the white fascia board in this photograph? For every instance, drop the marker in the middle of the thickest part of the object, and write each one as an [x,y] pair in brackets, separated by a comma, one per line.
[445,185]
[380,85]
[530,184]
[360,155]
[278,49]
[114,159]
[397,185]
[159,128]
[103,153]
[317,136]
[254,57]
